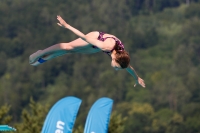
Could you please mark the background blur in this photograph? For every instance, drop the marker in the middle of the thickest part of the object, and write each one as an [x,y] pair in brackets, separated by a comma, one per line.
[162,37]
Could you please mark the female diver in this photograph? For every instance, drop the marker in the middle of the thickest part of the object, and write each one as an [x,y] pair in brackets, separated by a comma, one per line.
[92,42]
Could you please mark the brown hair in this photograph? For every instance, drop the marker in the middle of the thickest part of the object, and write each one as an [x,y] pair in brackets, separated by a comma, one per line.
[123,58]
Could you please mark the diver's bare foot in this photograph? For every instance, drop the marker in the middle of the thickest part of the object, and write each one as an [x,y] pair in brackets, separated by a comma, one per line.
[36,63]
[34,57]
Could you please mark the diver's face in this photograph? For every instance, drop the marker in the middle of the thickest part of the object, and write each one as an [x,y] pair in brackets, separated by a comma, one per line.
[114,64]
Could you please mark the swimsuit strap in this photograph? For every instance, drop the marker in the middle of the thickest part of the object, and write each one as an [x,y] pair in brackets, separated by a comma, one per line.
[100,37]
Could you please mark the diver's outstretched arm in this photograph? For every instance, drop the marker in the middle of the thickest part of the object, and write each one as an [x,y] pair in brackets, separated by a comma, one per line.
[132,71]
[63,24]
[89,39]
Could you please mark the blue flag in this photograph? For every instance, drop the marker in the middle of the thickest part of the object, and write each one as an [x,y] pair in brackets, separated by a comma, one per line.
[99,116]
[62,116]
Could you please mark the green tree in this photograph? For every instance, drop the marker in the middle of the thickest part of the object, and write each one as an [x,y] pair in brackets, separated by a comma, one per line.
[166,121]
[33,118]
[116,124]
[5,118]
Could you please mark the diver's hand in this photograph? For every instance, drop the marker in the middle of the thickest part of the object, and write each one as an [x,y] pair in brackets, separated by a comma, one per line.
[62,22]
[140,82]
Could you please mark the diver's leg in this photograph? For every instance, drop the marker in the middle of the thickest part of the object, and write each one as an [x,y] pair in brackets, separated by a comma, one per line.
[62,48]
[47,57]
[67,47]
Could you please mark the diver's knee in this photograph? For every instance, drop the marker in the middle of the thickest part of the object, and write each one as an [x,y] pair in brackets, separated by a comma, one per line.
[66,46]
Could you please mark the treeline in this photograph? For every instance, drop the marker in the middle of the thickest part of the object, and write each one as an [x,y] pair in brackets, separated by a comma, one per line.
[162,38]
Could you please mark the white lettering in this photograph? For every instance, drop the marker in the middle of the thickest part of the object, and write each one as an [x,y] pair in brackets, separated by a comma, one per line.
[59,131]
[60,127]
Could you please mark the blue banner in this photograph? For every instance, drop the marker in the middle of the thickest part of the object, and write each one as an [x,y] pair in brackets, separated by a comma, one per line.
[99,116]
[62,116]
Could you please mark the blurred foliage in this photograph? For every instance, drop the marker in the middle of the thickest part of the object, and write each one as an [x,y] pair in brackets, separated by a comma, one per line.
[117,123]
[162,37]
[5,118]
[32,118]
